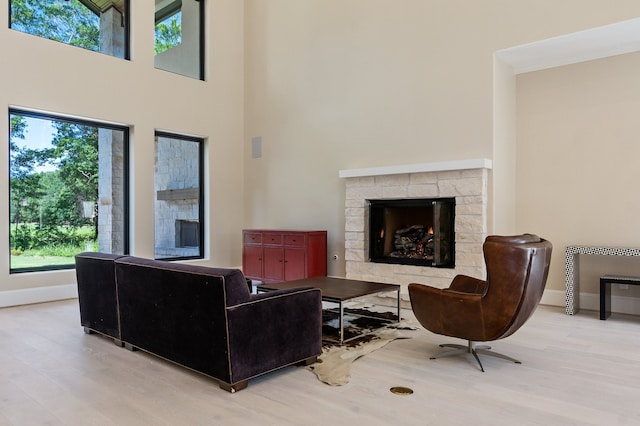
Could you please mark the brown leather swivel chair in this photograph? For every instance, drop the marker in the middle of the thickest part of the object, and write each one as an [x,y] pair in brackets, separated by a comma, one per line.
[482,311]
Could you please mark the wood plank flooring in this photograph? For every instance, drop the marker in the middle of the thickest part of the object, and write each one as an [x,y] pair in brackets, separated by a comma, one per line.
[576,370]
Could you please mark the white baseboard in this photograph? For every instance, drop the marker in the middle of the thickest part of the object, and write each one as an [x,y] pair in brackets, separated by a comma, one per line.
[591,302]
[549,297]
[619,304]
[553,298]
[588,301]
[37,295]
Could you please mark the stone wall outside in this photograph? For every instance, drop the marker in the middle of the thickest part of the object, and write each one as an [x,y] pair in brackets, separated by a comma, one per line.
[176,167]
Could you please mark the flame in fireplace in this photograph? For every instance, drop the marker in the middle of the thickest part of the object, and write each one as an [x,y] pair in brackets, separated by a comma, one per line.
[430,231]
[382,233]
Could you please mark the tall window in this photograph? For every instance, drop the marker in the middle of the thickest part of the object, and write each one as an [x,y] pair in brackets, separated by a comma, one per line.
[179,211]
[67,190]
[98,25]
[179,37]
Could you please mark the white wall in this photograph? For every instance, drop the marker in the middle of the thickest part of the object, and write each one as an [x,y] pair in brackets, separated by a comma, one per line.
[48,76]
[342,84]
[577,173]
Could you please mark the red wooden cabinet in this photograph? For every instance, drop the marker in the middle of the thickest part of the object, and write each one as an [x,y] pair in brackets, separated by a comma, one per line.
[273,265]
[280,255]
[252,261]
[294,264]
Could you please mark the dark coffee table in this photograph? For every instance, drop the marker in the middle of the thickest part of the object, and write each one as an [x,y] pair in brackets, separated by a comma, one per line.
[340,291]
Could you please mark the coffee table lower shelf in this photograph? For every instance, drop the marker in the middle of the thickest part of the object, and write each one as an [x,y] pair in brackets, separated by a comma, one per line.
[340,291]
[357,323]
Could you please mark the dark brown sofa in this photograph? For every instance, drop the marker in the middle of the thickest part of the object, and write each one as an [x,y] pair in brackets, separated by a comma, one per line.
[202,318]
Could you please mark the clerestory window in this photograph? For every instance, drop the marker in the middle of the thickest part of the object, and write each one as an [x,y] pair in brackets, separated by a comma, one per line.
[97,25]
[179,37]
[68,190]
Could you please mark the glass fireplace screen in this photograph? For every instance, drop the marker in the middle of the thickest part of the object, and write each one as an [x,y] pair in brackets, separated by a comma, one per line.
[412,231]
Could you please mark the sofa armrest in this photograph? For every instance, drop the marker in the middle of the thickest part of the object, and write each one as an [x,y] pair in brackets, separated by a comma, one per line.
[274,329]
[99,310]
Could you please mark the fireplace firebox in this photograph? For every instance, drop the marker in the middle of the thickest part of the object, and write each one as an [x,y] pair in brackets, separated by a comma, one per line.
[412,231]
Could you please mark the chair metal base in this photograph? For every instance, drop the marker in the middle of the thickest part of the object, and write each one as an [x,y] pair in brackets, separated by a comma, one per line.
[473,349]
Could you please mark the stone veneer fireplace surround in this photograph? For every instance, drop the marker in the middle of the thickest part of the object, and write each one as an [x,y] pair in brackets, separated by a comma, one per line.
[465,180]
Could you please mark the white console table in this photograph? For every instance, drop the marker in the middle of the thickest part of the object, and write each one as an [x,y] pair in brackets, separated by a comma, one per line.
[571,280]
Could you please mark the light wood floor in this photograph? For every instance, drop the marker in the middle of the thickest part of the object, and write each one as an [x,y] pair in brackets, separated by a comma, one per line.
[576,370]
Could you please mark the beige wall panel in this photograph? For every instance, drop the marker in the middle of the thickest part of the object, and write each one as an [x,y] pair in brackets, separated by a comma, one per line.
[47,76]
[577,157]
[343,84]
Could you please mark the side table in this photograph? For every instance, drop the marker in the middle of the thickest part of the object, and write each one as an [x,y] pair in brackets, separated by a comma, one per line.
[571,281]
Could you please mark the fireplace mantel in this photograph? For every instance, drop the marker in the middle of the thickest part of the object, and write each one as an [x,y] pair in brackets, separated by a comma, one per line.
[478,163]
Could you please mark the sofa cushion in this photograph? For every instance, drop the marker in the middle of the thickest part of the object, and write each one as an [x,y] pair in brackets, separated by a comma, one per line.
[233,280]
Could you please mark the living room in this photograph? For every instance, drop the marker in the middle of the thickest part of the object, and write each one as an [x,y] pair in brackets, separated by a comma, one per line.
[360,100]
[329,86]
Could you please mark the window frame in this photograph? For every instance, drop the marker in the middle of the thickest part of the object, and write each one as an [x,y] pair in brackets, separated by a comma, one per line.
[172,9]
[201,194]
[168,11]
[126,178]
[202,39]
[126,22]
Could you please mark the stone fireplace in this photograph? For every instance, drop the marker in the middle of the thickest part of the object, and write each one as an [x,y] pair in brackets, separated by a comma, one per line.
[465,181]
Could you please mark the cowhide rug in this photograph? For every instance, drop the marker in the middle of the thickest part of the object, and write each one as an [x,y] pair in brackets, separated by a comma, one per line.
[334,364]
